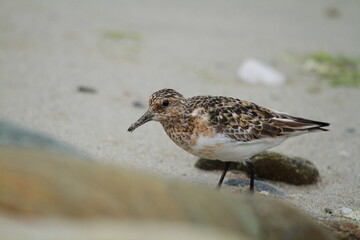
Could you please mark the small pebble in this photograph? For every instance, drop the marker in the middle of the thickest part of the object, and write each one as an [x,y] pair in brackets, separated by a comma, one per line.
[350,130]
[328,210]
[332,12]
[85,89]
[138,104]
[126,93]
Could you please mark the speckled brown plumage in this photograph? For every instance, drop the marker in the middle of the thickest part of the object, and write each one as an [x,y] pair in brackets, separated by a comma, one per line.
[245,121]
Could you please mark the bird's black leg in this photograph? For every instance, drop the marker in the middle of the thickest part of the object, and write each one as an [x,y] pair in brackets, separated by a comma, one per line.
[251,169]
[226,168]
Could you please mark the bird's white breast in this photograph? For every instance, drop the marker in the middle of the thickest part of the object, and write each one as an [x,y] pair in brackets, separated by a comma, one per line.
[221,147]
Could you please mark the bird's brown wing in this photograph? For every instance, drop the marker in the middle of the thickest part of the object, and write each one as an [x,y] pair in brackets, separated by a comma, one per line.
[246,121]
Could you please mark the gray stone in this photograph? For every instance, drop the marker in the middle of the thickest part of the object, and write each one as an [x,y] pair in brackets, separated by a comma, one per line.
[12,135]
[259,186]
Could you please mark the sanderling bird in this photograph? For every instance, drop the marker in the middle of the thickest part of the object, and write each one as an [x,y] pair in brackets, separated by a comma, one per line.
[223,128]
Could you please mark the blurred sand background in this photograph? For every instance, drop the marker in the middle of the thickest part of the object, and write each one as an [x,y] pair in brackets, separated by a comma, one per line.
[128,49]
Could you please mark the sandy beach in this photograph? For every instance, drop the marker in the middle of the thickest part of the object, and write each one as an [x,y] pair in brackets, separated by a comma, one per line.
[126,50]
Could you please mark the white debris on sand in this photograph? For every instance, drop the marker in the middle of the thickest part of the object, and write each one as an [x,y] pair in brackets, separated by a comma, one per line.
[253,71]
[349,213]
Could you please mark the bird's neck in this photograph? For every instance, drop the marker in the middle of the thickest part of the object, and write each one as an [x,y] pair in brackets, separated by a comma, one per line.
[179,129]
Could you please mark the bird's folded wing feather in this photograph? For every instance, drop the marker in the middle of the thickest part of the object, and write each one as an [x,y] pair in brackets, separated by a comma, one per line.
[246,121]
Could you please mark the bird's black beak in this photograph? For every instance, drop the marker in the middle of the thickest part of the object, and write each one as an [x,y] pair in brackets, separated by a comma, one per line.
[148,116]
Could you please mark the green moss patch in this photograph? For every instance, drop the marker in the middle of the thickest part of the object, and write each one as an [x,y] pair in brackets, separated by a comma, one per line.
[339,70]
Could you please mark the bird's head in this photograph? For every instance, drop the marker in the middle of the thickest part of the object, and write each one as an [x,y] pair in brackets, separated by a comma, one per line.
[164,105]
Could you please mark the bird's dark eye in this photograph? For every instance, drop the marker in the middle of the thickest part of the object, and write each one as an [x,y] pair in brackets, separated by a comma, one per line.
[165,103]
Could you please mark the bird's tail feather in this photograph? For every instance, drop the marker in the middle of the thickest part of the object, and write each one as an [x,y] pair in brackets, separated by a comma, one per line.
[296,125]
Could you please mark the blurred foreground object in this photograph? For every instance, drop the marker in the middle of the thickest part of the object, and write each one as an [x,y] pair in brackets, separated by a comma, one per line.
[40,184]
[61,229]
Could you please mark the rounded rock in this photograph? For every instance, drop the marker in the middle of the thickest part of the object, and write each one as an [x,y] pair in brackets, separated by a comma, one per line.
[279,167]
[272,166]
